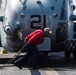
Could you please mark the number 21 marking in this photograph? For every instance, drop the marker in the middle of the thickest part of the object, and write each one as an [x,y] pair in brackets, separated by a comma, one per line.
[38,21]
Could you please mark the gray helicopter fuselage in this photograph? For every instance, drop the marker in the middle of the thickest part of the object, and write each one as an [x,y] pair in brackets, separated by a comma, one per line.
[21,17]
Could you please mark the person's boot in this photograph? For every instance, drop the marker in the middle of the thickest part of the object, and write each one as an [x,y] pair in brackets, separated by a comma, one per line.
[18,65]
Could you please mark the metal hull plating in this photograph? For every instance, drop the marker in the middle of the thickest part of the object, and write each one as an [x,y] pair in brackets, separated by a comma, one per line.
[24,16]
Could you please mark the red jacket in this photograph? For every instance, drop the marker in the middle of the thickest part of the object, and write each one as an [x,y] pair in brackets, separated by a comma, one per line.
[36,37]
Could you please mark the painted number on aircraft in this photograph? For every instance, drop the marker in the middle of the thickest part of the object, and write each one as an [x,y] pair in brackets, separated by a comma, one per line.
[38,21]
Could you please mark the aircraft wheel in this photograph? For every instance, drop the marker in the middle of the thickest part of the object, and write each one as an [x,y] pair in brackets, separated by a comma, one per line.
[67,54]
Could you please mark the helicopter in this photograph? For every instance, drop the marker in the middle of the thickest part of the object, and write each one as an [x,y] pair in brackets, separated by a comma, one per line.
[21,17]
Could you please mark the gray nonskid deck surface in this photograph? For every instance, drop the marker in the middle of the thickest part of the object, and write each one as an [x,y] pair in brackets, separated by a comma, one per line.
[13,70]
[58,66]
[10,55]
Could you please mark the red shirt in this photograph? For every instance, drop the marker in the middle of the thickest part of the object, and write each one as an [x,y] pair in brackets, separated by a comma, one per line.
[36,37]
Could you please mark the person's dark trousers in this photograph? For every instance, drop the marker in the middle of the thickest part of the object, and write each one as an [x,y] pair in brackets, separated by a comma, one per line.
[32,51]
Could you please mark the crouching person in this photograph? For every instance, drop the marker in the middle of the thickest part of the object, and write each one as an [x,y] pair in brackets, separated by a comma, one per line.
[33,39]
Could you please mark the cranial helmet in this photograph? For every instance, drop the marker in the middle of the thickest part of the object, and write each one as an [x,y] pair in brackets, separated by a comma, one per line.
[47,30]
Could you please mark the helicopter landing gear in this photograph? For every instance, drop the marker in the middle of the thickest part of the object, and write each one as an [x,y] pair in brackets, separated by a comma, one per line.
[74,52]
[72,49]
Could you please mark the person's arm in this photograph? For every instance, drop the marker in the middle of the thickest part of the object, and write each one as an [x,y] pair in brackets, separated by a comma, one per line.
[31,34]
[35,36]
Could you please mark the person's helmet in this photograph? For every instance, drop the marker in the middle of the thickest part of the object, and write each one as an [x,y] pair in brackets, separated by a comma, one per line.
[47,30]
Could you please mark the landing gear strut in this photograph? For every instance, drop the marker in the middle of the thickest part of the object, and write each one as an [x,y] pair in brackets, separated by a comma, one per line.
[72,49]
